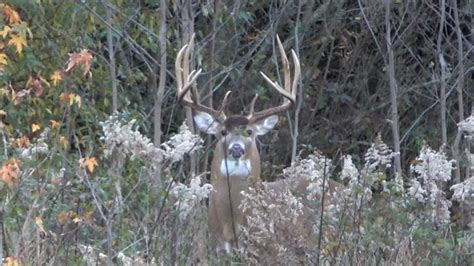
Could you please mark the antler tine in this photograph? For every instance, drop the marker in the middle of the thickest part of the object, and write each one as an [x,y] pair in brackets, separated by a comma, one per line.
[296,79]
[224,102]
[286,66]
[252,105]
[178,69]
[289,90]
[186,79]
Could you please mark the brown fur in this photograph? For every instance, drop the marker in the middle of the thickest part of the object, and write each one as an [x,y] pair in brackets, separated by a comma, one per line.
[225,216]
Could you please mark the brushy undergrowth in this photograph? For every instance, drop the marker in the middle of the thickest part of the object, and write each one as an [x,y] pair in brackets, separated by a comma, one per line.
[134,205]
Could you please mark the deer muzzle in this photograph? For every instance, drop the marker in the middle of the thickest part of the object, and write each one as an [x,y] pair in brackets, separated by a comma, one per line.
[236,151]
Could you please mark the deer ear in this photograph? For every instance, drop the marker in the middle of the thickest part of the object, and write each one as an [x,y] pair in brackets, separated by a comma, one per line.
[265,125]
[205,122]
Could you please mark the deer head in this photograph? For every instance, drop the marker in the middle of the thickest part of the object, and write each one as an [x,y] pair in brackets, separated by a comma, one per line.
[236,162]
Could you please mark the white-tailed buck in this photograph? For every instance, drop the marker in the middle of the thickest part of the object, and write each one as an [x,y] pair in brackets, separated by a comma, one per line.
[236,162]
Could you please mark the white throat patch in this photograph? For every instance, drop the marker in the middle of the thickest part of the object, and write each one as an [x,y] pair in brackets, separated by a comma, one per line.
[235,167]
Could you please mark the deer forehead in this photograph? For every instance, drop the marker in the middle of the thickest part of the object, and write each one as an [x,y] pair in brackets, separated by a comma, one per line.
[237,124]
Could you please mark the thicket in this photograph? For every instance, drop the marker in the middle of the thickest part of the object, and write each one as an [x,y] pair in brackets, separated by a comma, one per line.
[101,164]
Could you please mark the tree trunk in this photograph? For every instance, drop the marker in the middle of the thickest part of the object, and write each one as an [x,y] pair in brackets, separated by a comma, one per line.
[187,31]
[162,78]
[300,98]
[110,47]
[393,91]
[442,67]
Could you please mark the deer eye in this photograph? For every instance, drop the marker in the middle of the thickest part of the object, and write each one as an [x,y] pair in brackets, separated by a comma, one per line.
[249,132]
[223,132]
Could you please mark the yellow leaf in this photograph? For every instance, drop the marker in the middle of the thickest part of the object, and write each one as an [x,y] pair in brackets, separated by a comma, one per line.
[44,81]
[5,31]
[63,141]
[75,99]
[64,98]
[11,261]
[83,58]
[88,216]
[4,91]
[56,77]
[39,224]
[35,127]
[39,221]
[12,16]
[77,220]
[9,172]
[89,162]
[34,85]
[72,98]
[18,41]
[3,59]
[54,123]
[21,142]
[62,217]
[78,101]
[74,216]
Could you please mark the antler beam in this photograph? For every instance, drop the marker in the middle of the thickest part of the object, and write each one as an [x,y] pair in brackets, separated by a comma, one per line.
[185,80]
[288,91]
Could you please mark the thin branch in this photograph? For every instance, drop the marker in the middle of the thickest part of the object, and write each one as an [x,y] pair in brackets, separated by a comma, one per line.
[379,47]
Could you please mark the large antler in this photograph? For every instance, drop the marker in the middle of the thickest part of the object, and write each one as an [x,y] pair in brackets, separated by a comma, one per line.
[185,81]
[289,90]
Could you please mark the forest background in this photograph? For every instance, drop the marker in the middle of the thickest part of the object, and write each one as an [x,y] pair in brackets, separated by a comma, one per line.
[96,160]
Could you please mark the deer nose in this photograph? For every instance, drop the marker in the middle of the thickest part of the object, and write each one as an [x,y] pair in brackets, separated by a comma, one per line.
[236,151]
